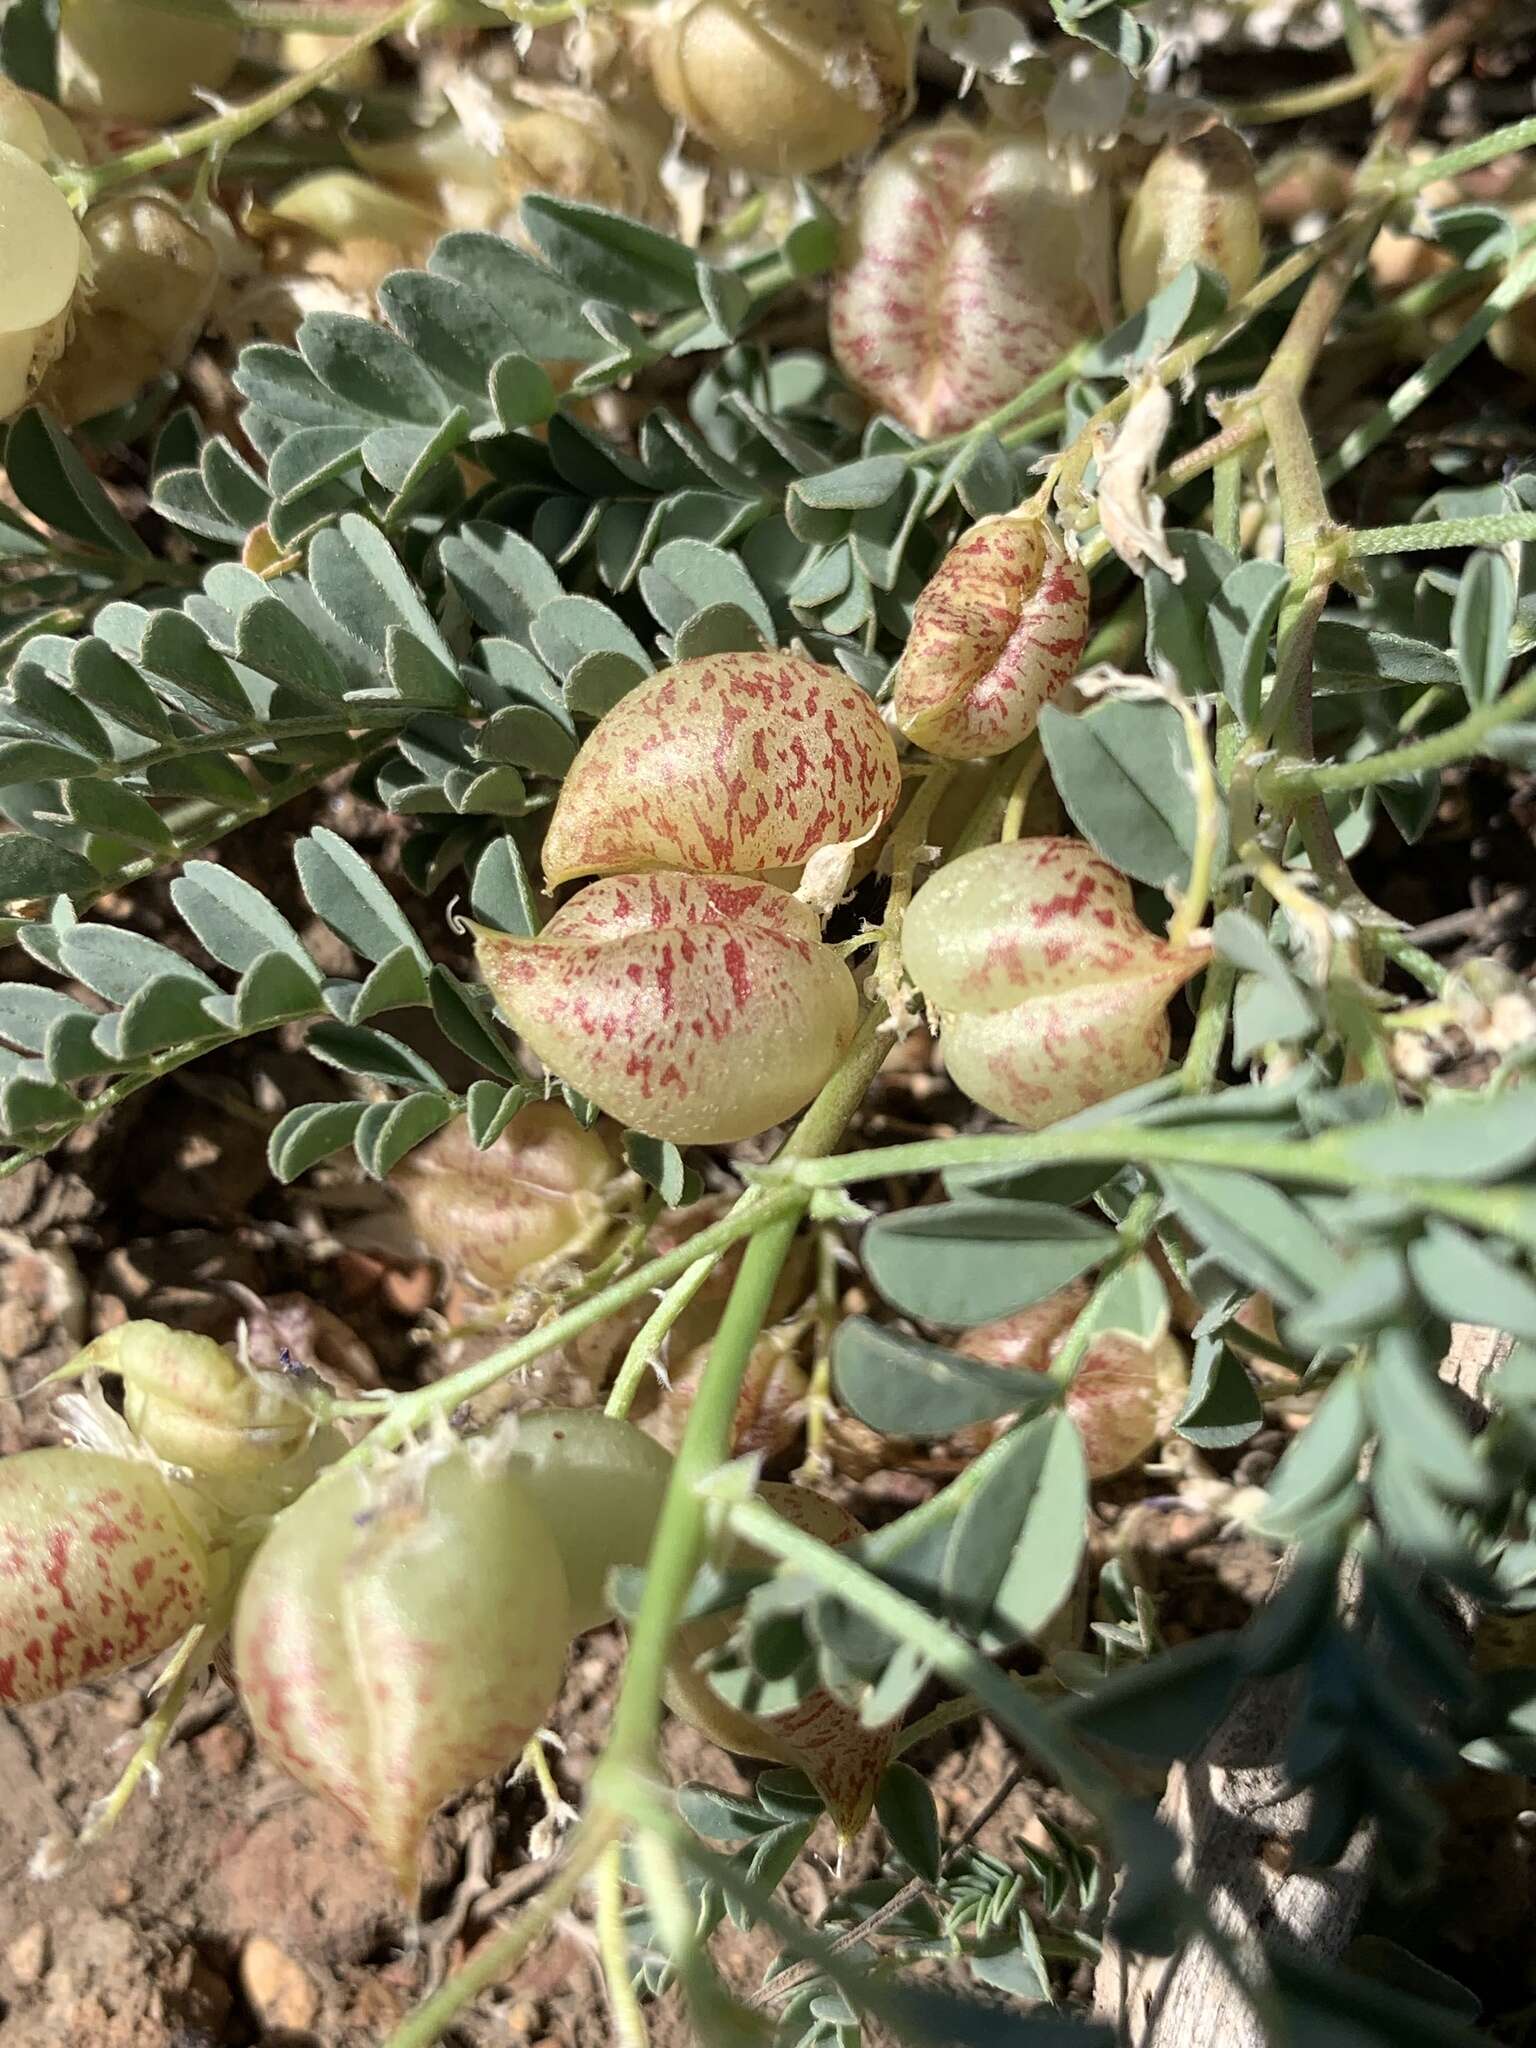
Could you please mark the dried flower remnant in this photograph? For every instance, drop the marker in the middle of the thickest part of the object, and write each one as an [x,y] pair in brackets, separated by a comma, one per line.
[696,1009]
[1050,992]
[99,1568]
[534,1195]
[1197,203]
[970,274]
[728,764]
[821,1736]
[402,1633]
[781,86]
[996,635]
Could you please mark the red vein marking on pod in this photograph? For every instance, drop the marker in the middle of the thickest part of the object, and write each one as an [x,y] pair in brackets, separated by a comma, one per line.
[726,764]
[996,634]
[690,1007]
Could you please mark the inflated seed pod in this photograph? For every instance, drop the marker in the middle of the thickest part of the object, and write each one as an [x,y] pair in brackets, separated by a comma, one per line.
[1049,991]
[689,1007]
[194,1403]
[536,1194]
[129,62]
[781,86]
[244,1443]
[821,1736]
[551,139]
[971,269]
[99,1568]
[1124,1394]
[598,1482]
[996,634]
[1197,203]
[154,270]
[303,50]
[728,764]
[400,1634]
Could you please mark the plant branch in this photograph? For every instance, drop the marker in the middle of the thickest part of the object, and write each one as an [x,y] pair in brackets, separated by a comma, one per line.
[1328,1161]
[84,183]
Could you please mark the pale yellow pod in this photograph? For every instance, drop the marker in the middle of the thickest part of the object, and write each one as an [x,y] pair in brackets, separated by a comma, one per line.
[41,252]
[1198,203]
[130,62]
[822,1737]
[194,1403]
[533,1195]
[996,634]
[154,273]
[970,271]
[781,86]
[302,50]
[401,1633]
[728,764]
[1049,991]
[21,122]
[691,1008]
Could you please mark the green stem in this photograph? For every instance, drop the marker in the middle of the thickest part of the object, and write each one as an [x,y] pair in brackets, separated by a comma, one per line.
[1327,1161]
[1407,179]
[1411,393]
[86,182]
[678,1547]
[1493,531]
[1302,100]
[1284,781]
[613,1947]
[1140,1220]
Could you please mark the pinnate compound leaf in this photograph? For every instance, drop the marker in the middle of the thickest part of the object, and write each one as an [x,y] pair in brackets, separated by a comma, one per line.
[1122,770]
[1257,1232]
[344,891]
[1166,1707]
[969,1262]
[234,921]
[1464,1280]
[1481,625]
[1222,1409]
[32,868]
[903,1387]
[906,1811]
[607,257]
[1018,1541]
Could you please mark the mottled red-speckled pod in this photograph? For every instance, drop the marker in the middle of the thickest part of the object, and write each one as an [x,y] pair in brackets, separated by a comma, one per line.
[1050,992]
[843,1759]
[1198,203]
[996,634]
[402,1633]
[99,1568]
[690,1007]
[536,1194]
[1124,1394]
[785,87]
[971,271]
[730,764]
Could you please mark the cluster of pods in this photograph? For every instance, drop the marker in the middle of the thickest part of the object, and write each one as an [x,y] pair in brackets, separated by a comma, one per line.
[689,993]
[399,1626]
